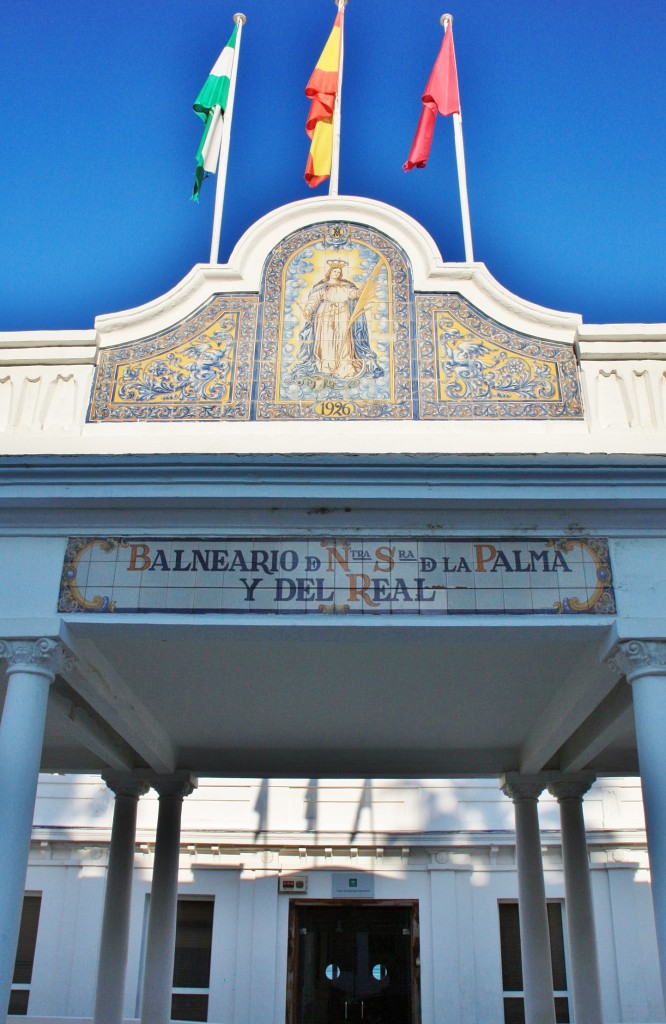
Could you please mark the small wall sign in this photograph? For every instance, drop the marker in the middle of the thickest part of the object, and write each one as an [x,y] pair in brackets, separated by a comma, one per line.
[353,885]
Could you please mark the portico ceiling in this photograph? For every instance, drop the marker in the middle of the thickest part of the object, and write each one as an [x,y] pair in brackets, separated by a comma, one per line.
[336,700]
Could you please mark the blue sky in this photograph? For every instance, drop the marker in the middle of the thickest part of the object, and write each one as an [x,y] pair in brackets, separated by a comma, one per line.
[565,136]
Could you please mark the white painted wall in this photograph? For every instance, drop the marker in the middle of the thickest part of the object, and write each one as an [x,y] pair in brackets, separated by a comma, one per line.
[459,865]
[31,571]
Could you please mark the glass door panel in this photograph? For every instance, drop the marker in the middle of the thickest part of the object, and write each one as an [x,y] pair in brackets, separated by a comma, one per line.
[354,965]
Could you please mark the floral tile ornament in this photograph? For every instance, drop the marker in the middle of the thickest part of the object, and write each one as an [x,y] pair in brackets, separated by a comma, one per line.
[472,367]
[200,369]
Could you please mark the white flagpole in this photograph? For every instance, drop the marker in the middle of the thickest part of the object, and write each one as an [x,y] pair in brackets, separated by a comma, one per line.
[240,20]
[335,156]
[447,20]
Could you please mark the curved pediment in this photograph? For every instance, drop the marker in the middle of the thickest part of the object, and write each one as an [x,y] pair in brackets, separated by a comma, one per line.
[336,309]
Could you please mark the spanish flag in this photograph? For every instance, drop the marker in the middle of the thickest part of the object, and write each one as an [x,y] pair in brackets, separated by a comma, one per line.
[321,90]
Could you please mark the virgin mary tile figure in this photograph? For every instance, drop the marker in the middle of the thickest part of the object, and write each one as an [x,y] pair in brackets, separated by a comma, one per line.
[335,336]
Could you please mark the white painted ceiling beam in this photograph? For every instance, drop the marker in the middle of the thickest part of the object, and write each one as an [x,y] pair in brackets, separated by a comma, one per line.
[89,733]
[597,732]
[97,682]
[581,693]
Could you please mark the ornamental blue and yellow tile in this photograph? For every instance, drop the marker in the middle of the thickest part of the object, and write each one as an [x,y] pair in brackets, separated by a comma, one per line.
[336,333]
[200,369]
[473,368]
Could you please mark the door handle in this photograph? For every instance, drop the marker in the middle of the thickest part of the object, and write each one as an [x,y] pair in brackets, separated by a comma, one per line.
[362,1008]
[346,1006]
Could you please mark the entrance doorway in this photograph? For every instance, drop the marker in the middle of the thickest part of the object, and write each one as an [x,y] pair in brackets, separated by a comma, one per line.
[353,962]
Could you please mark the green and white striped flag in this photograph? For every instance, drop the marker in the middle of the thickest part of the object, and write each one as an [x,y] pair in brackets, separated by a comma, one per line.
[210,105]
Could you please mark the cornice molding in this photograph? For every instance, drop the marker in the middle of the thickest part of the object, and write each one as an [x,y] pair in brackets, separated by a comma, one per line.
[325,482]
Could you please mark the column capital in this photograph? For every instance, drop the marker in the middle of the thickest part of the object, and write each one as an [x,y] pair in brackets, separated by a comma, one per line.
[127,783]
[517,786]
[637,658]
[43,657]
[177,784]
[571,786]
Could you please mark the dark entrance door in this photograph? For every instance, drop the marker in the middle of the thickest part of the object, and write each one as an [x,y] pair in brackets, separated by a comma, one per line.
[354,963]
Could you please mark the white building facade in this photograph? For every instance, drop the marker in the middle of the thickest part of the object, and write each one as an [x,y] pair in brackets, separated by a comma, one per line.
[441,848]
[336,510]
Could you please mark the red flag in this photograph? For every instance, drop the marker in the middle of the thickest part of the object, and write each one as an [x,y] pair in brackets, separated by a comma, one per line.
[440,94]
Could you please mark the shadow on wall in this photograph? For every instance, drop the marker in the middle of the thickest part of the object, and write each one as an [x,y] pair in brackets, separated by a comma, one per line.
[377,810]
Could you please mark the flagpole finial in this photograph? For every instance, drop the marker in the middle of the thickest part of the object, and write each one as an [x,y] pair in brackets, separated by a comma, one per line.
[240,19]
[446,19]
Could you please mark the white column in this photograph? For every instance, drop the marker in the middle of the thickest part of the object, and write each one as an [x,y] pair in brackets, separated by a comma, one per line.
[524,790]
[583,955]
[112,963]
[643,662]
[31,668]
[161,935]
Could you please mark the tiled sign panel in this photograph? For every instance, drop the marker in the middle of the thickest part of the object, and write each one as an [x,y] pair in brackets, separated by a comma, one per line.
[337,576]
[336,333]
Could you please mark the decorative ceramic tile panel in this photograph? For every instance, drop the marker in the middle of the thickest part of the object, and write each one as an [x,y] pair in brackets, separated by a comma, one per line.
[473,368]
[201,369]
[335,340]
[337,333]
[375,575]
